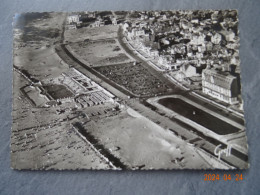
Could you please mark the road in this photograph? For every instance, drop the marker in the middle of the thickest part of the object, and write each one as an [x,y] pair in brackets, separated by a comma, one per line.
[175,88]
[237,159]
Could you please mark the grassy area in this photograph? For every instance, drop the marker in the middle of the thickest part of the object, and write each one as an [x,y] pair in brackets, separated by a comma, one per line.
[100,52]
[103,32]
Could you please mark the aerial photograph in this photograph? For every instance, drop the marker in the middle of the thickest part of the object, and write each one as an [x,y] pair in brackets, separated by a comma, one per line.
[127,90]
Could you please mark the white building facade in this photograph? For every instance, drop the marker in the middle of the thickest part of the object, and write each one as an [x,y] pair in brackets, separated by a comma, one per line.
[220,85]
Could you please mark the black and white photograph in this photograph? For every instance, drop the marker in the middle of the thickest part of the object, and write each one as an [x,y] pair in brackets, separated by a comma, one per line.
[127,90]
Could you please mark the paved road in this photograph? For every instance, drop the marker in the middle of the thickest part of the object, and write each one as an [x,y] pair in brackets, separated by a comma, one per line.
[175,88]
[189,133]
[237,159]
[185,131]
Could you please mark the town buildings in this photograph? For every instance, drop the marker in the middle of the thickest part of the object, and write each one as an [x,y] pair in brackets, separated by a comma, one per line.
[220,85]
[186,43]
[181,42]
[73,21]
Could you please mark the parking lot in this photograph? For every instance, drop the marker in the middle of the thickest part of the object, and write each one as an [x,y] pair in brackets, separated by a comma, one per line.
[134,78]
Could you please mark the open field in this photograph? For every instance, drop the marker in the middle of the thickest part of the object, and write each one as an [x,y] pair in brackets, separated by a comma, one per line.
[81,96]
[34,46]
[140,143]
[81,34]
[100,52]
[46,140]
[40,64]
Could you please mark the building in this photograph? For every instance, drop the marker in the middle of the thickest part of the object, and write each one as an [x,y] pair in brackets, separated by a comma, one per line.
[189,70]
[220,85]
[71,26]
[73,19]
[73,22]
[216,38]
[198,39]
[114,21]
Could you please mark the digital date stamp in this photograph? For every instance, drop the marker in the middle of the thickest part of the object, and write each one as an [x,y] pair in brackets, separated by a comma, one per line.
[224,177]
